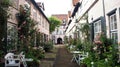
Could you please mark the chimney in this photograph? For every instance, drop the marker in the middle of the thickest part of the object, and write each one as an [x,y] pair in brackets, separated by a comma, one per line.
[41,5]
[69,14]
[75,2]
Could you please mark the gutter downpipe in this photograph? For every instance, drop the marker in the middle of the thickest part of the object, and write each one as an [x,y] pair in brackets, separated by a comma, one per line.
[104,30]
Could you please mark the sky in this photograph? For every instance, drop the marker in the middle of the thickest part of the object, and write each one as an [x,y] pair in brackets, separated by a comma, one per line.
[56,6]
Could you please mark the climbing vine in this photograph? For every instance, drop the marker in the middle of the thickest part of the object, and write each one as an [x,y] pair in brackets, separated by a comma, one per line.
[25,27]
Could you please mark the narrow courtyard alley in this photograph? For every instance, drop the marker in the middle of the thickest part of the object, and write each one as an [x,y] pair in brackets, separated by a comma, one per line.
[59,33]
[63,58]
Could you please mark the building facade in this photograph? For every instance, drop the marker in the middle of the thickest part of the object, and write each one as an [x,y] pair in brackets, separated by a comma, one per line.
[102,16]
[58,34]
[42,22]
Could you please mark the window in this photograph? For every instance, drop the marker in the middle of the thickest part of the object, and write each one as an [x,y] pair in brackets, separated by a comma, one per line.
[34,14]
[97,28]
[113,22]
[42,21]
[39,20]
[12,36]
[113,27]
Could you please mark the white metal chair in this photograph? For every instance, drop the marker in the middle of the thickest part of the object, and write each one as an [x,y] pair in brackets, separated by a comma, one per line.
[12,60]
[79,56]
[23,59]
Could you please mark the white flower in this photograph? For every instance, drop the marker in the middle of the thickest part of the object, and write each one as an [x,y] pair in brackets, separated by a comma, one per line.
[95,48]
[92,62]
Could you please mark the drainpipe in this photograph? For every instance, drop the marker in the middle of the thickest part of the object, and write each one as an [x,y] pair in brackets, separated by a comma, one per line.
[104,17]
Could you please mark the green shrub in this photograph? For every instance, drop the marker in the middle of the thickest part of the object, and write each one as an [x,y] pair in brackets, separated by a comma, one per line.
[1,54]
[79,47]
[35,53]
[48,46]
[34,63]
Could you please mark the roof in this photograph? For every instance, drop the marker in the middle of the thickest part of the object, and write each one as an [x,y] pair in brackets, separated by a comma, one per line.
[35,4]
[61,16]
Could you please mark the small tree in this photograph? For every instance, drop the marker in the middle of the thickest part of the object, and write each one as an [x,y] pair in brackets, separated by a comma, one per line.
[54,22]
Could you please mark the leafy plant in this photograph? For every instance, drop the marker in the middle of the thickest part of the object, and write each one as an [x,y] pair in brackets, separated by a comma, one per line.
[65,40]
[105,57]
[48,46]
[1,54]
[26,28]
[79,45]
[36,55]
[54,22]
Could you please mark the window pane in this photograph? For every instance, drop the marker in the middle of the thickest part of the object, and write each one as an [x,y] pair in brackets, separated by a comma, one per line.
[97,27]
[115,25]
[115,22]
[115,18]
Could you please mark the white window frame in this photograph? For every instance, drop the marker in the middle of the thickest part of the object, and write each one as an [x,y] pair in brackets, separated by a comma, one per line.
[97,28]
[113,27]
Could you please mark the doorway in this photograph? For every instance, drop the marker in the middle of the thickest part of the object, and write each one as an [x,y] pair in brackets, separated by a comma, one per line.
[59,41]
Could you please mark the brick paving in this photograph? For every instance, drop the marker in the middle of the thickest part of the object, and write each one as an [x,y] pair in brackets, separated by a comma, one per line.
[63,58]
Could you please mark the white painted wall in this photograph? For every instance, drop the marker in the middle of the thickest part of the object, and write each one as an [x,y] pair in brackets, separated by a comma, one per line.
[96,11]
[109,6]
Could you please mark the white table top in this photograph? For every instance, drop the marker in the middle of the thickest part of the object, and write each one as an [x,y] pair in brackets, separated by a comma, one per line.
[76,52]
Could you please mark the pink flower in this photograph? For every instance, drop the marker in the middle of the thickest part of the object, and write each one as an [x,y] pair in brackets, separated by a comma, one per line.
[18,28]
[24,22]
[21,36]
[97,42]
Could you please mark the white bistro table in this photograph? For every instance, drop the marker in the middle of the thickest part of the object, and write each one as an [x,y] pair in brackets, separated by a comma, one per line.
[77,56]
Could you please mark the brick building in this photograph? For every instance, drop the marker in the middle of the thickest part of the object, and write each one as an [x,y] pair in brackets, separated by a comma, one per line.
[36,14]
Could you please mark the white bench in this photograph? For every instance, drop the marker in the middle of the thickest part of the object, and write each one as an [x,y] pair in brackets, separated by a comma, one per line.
[12,60]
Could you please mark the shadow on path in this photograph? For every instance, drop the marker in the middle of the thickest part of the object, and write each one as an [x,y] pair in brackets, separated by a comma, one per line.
[63,58]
